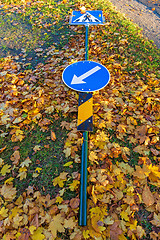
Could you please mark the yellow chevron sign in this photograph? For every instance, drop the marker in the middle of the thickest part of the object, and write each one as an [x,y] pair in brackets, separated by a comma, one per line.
[85,112]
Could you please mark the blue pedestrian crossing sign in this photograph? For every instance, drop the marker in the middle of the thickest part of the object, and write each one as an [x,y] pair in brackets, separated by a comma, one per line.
[87,18]
[86,76]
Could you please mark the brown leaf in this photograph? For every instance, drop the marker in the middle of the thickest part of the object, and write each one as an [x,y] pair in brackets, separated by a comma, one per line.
[153,235]
[139,173]
[140,131]
[147,196]
[155,152]
[8,192]
[115,231]
[74,203]
[35,221]
[15,157]
[25,233]
[156,220]
[2,149]
[53,136]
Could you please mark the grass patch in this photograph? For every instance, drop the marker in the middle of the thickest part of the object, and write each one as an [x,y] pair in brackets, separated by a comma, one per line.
[35,26]
[47,161]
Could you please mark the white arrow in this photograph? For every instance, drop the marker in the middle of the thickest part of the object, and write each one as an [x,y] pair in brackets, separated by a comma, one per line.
[79,80]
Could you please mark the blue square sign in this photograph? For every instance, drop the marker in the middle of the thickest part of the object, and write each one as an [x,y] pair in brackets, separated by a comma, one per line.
[87,18]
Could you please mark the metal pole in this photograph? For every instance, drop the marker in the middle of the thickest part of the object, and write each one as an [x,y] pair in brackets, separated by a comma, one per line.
[83,186]
[86,43]
[84,159]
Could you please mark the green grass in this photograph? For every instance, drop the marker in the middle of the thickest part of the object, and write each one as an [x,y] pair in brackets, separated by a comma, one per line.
[50,158]
[38,26]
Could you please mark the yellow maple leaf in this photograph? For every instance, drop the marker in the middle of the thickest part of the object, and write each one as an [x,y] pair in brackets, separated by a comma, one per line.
[93,157]
[14,212]
[154,170]
[3,213]
[82,9]
[133,225]
[74,185]
[56,225]
[5,169]
[32,229]
[124,215]
[58,181]
[97,224]
[16,138]
[59,199]
[38,234]
[95,211]
[9,180]
[86,234]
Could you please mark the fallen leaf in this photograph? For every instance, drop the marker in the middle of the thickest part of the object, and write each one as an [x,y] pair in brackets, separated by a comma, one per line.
[108,221]
[147,196]
[156,220]
[140,232]
[37,148]
[74,203]
[2,149]
[15,157]
[8,192]
[68,164]
[56,225]
[37,235]
[5,169]
[69,223]
[3,213]
[25,234]
[53,136]
[115,231]
[67,152]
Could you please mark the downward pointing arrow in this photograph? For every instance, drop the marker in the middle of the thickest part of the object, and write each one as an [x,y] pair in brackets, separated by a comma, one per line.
[79,80]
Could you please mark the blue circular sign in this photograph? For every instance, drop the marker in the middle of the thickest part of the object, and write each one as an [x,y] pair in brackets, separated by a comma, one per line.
[86,76]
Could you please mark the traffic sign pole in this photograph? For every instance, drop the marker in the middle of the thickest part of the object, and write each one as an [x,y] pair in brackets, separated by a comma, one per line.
[86,43]
[85,77]
[84,159]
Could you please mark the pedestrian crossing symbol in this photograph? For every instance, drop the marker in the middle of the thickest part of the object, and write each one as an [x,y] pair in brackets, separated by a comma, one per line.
[89,17]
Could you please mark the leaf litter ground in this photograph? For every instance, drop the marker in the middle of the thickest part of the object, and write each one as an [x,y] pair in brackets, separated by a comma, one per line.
[38,117]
